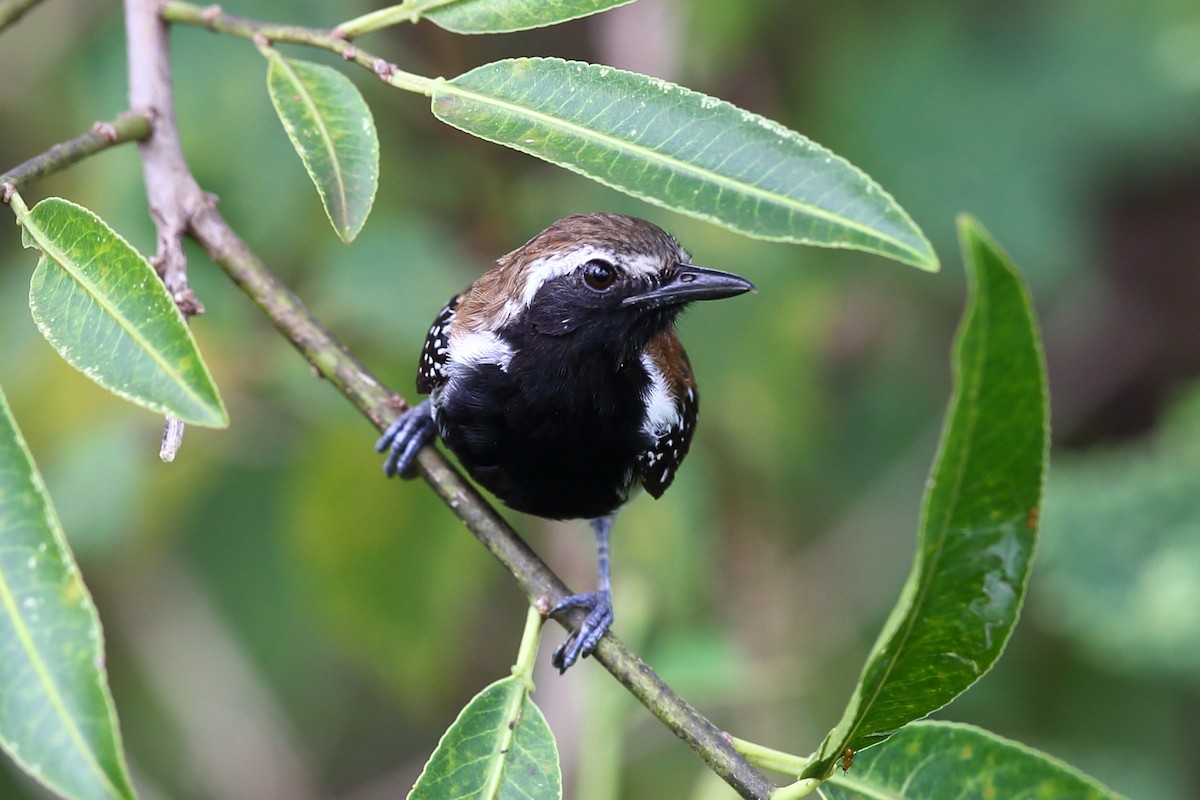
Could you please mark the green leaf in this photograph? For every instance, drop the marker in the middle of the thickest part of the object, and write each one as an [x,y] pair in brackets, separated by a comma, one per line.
[979,521]
[331,128]
[480,16]
[505,16]
[56,715]
[681,150]
[945,761]
[103,308]
[499,748]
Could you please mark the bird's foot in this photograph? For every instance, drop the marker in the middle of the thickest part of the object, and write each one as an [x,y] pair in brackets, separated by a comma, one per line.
[411,431]
[580,643]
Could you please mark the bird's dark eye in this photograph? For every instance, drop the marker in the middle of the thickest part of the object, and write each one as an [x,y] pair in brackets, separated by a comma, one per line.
[599,274]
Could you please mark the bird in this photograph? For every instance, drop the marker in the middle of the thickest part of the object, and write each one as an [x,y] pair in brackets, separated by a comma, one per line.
[559,383]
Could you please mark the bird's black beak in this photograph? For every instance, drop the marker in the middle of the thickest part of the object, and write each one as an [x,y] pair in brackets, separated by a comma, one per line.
[689,283]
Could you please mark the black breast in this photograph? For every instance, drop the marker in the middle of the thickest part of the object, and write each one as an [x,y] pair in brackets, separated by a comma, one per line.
[557,434]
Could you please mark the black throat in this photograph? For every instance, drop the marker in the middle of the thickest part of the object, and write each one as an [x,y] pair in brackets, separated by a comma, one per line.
[557,433]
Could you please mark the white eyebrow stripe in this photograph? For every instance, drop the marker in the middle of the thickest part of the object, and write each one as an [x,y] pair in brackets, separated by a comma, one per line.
[639,265]
[561,263]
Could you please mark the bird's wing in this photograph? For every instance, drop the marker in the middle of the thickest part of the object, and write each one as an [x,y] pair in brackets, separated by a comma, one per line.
[672,435]
[431,371]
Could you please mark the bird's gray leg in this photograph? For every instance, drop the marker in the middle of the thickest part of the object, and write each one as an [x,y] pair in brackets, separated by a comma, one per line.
[411,431]
[582,642]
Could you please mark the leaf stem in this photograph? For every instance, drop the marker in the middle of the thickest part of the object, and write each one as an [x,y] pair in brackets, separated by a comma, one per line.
[214,19]
[375,20]
[527,652]
[769,758]
[17,204]
[408,11]
[794,791]
[127,127]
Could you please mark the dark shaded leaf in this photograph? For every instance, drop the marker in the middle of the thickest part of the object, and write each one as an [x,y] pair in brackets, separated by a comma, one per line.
[979,521]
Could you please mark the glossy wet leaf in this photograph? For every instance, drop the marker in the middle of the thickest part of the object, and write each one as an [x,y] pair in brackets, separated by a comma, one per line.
[56,715]
[946,761]
[331,127]
[979,521]
[103,308]
[499,748]
[481,16]
[682,150]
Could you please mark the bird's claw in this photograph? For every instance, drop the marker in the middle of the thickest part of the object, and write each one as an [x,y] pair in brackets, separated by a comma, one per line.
[580,643]
[411,431]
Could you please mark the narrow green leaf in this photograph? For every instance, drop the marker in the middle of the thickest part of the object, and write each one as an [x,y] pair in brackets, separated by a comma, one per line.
[504,16]
[56,715]
[946,761]
[101,305]
[979,521]
[479,16]
[332,130]
[499,748]
[682,150]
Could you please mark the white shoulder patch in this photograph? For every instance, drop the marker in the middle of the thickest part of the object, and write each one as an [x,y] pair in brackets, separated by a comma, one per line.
[662,412]
[469,348]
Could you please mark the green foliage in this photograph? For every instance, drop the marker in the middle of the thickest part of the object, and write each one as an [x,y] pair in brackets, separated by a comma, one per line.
[480,16]
[331,128]
[103,308]
[682,150]
[504,16]
[56,716]
[499,748]
[978,526]
[945,761]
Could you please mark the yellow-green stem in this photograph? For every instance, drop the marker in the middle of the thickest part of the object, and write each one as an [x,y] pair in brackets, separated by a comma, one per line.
[527,652]
[216,20]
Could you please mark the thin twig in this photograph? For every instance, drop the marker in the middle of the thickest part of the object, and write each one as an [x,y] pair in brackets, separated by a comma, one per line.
[214,19]
[13,10]
[127,127]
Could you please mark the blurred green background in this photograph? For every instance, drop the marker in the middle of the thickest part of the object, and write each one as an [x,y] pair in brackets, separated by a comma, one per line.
[284,623]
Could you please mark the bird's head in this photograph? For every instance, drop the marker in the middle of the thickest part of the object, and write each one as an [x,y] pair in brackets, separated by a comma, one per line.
[601,278]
